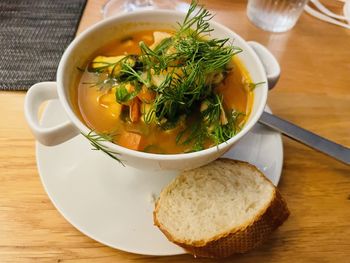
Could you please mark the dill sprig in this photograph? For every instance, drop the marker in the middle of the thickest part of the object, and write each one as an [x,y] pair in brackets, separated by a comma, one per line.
[183,65]
[188,58]
[133,74]
[212,110]
[194,135]
[196,16]
[210,125]
[96,139]
[252,86]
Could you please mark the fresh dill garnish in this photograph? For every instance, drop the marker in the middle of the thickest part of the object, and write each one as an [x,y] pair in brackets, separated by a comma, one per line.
[236,120]
[155,59]
[252,86]
[187,57]
[194,135]
[183,71]
[198,17]
[213,123]
[211,110]
[96,139]
[127,69]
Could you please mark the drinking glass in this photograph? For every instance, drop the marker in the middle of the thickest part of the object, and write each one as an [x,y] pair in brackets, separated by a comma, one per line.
[275,15]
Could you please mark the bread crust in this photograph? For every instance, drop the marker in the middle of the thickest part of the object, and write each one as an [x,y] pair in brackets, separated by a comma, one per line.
[238,240]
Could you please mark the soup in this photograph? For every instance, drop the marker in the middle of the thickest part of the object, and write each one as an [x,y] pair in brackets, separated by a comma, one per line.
[165,92]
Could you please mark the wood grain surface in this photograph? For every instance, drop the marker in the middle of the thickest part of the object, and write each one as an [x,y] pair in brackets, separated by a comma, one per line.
[314,92]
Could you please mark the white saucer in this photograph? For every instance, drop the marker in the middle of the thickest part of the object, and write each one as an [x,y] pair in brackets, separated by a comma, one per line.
[113,204]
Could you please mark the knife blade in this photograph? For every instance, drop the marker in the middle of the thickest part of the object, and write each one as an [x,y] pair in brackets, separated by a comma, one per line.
[335,150]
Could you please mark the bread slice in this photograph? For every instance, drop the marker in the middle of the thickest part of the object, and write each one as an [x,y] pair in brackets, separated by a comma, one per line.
[219,209]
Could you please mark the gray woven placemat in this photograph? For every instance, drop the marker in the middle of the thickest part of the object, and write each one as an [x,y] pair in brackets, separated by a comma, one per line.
[33,36]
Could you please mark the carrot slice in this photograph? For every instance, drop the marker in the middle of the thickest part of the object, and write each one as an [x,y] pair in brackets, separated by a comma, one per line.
[146,95]
[130,140]
[134,110]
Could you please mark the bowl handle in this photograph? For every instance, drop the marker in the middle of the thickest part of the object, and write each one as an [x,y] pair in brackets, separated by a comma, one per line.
[271,66]
[35,96]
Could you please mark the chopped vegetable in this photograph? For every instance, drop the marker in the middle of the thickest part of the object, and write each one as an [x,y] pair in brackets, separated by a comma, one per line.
[107,101]
[171,87]
[135,110]
[102,62]
[130,140]
[146,95]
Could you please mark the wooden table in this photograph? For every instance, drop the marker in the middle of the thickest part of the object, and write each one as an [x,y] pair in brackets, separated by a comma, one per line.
[314,92]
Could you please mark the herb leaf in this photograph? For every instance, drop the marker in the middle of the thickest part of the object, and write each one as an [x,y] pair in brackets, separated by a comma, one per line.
[96,139]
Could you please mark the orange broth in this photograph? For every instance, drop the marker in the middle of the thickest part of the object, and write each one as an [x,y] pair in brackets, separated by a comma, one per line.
[102,116]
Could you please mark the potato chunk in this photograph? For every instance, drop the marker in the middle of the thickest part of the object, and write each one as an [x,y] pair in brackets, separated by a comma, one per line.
[102,61]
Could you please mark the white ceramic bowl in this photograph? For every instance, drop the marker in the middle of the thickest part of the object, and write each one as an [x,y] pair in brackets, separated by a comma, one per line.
[80,50]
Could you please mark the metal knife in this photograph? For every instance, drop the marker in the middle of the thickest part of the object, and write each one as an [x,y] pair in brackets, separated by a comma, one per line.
[337,151]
